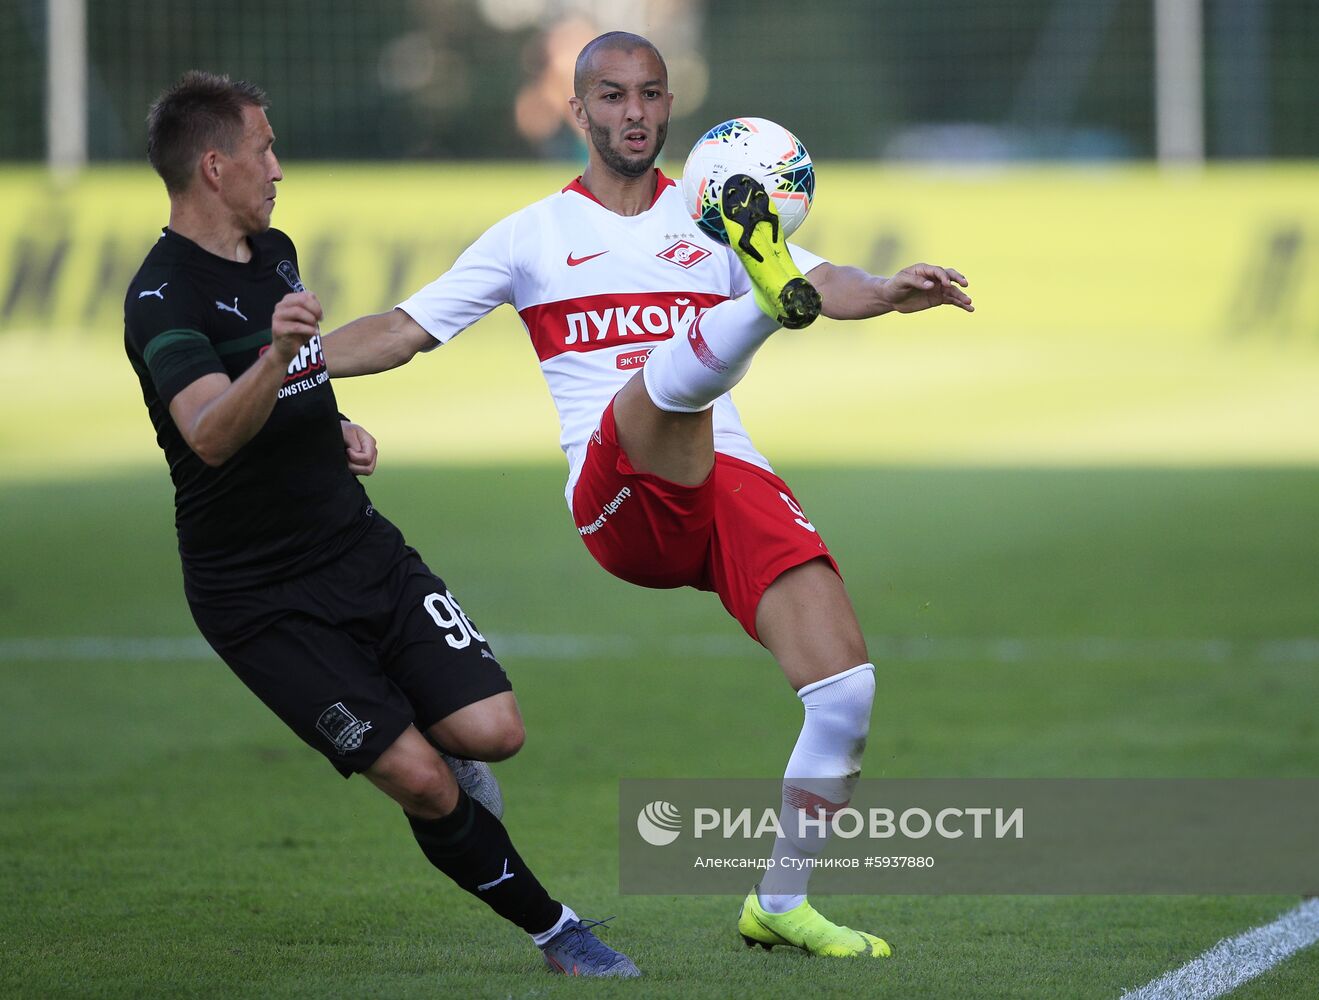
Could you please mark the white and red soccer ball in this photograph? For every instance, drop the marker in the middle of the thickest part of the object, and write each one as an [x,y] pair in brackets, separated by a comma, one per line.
[756,147]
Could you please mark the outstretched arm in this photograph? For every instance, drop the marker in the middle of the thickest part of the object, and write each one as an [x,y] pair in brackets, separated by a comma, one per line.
[480,281]
[374,344]
[364,346]
[851,293]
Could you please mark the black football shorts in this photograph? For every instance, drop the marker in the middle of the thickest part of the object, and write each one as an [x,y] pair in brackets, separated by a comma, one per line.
[354,652]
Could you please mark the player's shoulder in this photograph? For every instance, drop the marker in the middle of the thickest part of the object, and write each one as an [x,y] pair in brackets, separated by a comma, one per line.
[165,253]
[554,205]
[511,236]
[274,242]
[163,277]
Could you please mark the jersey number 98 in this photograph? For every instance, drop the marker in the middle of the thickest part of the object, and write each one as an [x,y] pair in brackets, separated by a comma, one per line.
[448,615]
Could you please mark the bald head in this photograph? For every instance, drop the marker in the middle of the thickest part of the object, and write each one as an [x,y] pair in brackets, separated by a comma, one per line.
[611,41]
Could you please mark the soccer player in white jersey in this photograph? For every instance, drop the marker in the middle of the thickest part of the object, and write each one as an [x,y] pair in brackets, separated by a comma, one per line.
[642,326]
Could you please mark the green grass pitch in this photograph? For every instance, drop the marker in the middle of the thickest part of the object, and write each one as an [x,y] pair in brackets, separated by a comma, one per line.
[162,835]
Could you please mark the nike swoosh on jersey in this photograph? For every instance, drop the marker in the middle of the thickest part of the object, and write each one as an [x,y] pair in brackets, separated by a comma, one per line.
[574,261]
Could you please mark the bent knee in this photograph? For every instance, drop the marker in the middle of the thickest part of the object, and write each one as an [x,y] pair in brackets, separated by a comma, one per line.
[490,729]
[506,741]
[494,740]
[424,788]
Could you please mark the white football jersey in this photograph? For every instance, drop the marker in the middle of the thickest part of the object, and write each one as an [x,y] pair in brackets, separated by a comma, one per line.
[596,291]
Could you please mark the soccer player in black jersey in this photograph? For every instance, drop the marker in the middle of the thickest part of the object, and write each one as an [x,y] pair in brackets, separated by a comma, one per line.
[309,595]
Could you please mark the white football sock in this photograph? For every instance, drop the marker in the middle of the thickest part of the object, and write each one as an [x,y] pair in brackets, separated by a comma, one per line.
[689,371]
[545,937]
[824,768]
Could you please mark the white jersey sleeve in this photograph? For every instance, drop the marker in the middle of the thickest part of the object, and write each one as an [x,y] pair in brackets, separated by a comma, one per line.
[479,282]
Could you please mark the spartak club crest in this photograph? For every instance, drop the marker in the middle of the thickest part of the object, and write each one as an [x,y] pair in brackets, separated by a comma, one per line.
[684,254]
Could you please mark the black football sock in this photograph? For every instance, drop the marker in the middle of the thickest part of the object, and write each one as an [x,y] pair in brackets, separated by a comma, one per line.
[472,848]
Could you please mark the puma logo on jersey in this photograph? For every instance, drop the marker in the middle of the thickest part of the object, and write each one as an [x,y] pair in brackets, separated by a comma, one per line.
[231,309]
[574,261]
[157,292]
[502,878]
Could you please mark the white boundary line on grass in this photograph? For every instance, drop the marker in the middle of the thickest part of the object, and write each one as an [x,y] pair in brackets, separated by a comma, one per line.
[1234,961]
[531,646]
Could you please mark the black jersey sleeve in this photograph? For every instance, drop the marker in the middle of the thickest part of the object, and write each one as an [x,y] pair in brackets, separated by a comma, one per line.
[164,326]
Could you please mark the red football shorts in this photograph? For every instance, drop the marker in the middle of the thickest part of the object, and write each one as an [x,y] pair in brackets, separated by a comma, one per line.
[734,534]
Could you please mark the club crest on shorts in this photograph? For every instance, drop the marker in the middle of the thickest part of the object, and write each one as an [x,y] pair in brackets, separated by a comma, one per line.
[342,728]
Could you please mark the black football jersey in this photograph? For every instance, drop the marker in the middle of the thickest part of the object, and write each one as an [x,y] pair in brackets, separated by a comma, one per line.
[285,502]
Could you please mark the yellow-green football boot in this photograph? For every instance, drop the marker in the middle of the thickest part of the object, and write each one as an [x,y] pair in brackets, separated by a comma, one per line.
[781,291]
[801,927]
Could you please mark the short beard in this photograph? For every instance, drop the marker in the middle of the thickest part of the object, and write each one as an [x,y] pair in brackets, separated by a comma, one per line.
[625,165]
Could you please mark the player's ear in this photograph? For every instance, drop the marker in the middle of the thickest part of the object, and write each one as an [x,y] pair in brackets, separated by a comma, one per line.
[579,113]
[208,168]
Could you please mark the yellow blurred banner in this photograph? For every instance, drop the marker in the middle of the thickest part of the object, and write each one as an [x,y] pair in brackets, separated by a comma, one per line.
[1114,252]
[1123,315]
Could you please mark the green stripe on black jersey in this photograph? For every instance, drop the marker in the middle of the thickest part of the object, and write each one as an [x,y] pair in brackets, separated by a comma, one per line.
[169,338]
[260,339]
[175,352]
